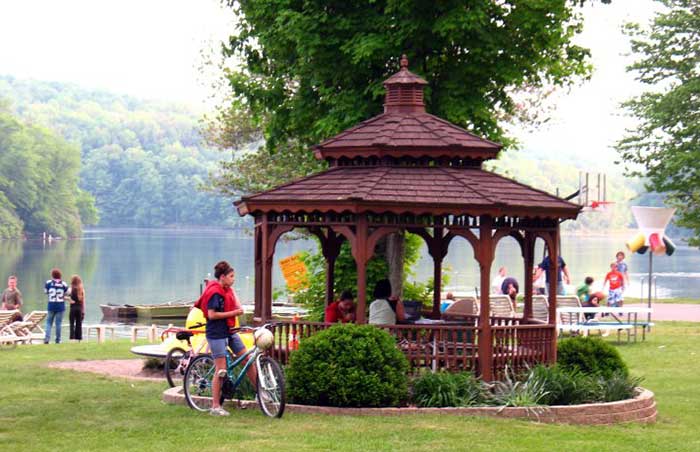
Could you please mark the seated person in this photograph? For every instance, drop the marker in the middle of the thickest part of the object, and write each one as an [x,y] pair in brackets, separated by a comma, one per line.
[510,287]
[589,299]
[385,309]
[447,302]
[342,311]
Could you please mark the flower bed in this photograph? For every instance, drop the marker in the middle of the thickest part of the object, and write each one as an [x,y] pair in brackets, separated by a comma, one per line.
[640,409]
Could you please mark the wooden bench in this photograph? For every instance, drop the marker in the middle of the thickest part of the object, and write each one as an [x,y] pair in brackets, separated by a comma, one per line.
[101,332]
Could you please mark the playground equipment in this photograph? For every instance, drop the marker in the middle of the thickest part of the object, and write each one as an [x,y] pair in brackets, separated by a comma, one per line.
[652,222]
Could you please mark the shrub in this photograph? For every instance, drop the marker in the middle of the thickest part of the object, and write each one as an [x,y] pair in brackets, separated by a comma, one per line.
[348,366]
[618,387]
[513,392]
[445,389]
[592,356]
[566,387]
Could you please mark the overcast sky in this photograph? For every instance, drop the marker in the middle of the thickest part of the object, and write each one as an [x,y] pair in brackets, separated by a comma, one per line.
[152,48]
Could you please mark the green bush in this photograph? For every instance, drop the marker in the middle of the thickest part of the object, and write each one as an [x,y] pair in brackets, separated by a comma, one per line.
[592,356]
[444,389]
[566,387]
[348,366]
[513,391]
[618,387]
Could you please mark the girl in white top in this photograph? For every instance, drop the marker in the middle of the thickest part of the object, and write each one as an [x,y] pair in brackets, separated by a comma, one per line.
[381,311]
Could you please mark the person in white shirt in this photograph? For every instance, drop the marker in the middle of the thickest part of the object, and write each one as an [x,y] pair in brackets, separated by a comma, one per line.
[385,309]
[497,281]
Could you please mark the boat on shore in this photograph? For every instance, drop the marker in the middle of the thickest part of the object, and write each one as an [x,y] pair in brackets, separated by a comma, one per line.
[121,311]
[171,310]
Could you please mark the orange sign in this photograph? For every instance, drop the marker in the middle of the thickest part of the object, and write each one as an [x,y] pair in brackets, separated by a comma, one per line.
[294,272]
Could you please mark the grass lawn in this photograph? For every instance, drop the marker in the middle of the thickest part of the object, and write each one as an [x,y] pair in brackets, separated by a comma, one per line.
[46,409]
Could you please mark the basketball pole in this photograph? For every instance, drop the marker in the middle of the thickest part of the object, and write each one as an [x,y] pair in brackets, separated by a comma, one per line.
[651,271]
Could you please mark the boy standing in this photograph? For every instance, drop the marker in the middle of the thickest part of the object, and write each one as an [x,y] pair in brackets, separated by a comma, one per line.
[12,298]
[56,289]
[616,285]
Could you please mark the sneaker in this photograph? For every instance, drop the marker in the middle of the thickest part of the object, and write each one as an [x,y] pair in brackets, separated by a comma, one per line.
[219,412]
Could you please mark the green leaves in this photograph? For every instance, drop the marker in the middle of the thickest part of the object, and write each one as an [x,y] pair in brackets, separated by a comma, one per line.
[309,70]
[665,145]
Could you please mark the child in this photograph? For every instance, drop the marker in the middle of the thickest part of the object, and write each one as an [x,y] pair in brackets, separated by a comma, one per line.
[589,299]
[622,266]
[616,285]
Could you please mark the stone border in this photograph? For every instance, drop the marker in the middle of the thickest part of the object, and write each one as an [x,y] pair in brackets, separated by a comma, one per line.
[640,409]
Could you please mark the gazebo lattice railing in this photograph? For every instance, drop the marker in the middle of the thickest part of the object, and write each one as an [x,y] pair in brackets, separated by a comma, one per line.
[408,171]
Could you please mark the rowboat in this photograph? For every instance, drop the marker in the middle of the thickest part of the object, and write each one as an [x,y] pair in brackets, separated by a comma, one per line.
[111,310]
[171,310]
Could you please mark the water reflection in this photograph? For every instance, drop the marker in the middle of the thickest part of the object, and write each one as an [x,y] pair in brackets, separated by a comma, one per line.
[155,266]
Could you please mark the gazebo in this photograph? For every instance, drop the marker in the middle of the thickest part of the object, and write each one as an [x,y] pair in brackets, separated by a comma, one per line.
[408,170]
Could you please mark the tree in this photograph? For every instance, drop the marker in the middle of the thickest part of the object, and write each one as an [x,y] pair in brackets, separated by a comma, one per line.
[309,70]
[665,145]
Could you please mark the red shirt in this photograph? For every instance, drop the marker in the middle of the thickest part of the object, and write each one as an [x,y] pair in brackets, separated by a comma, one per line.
[615,279]
[230,300]
[334,314]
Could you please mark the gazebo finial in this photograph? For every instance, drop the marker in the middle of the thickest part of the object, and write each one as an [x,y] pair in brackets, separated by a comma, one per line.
[404,62]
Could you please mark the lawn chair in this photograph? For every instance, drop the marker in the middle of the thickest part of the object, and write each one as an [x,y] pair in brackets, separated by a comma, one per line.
[569,319]
[465,306]
[34,320]
[501,306]
[540,308]
[7,316]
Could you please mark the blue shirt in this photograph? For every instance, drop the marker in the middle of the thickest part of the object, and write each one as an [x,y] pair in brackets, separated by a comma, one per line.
[56,289]
[216,329]
[622,267]
[544,265]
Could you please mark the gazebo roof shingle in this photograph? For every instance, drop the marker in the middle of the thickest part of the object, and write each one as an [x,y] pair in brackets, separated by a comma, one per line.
[420,190]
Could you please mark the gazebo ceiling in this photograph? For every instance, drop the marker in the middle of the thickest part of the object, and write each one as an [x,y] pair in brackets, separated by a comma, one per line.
[401,189]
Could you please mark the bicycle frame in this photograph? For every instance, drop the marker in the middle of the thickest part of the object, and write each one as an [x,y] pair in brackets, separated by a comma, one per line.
[231,364]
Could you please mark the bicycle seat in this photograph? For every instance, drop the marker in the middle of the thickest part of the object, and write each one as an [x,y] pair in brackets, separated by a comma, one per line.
[183,335]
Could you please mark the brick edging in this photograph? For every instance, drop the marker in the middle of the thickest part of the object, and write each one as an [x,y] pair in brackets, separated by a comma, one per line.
[641,409]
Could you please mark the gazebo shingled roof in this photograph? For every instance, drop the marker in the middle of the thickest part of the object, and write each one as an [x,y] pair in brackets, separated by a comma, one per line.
[408,170]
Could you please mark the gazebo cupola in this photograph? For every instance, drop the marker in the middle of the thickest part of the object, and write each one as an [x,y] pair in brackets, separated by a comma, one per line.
[405,134]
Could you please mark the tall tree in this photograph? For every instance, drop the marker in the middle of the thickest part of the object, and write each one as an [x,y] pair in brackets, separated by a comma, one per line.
[308,70]
[665,146]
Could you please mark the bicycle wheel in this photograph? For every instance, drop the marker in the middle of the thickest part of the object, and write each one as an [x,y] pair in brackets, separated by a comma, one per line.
[197,383]
[271,392]
[173,369]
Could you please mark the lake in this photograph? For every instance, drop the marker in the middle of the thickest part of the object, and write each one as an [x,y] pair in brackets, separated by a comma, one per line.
[153,266]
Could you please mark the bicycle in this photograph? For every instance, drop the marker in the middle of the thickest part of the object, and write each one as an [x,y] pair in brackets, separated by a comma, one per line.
[177,359]
[270,385]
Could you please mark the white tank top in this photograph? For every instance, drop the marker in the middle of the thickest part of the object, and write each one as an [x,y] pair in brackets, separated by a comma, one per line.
[380,313]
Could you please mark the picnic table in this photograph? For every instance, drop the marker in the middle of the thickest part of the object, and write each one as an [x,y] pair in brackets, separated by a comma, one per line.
[622,318]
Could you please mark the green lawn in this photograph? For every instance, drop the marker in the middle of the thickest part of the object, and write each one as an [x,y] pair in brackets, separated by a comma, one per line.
[47,409]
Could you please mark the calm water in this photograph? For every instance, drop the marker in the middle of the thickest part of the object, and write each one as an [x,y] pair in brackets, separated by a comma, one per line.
[153,266]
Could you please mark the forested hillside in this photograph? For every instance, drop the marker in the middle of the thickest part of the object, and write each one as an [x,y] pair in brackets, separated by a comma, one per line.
[39,182]
[142,160]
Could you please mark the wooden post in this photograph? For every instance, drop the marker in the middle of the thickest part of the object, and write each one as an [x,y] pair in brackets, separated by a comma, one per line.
[553,273]
[485,260]
[257,313]
[267,254]
[437,277]
[529,261]
[361,256]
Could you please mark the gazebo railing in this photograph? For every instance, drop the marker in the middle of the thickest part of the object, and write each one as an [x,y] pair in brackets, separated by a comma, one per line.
[516,346]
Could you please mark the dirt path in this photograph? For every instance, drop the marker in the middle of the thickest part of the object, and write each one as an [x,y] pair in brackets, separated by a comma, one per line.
[682,312]
[127,368]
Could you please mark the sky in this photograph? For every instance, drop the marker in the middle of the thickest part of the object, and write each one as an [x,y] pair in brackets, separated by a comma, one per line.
[153,49]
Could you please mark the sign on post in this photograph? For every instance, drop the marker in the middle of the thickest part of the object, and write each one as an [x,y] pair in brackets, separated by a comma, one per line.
[294,272]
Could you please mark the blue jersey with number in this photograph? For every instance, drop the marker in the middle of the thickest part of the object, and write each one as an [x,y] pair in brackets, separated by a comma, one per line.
[56,290]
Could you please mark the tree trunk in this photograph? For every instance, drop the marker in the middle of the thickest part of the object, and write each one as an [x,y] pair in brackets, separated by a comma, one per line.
[395,252]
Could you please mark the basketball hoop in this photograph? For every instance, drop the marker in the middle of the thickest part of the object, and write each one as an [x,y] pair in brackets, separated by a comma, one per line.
[597,206]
